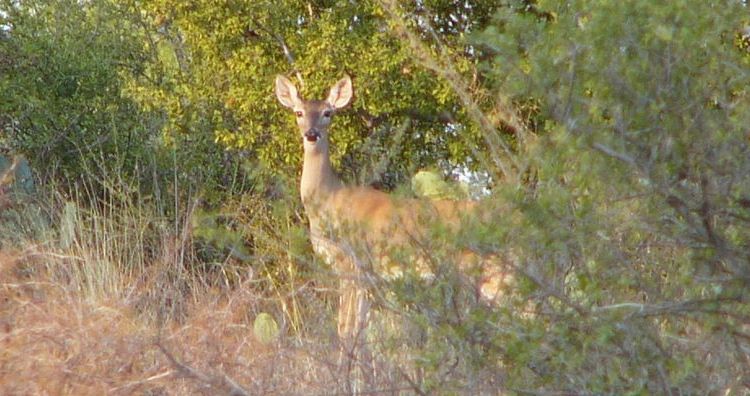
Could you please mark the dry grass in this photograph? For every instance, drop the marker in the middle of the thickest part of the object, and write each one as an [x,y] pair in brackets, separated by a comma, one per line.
[55,340]
[116,302]
[105,298]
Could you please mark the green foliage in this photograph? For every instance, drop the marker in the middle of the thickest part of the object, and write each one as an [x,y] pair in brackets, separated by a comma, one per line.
[633,223]
[60,78]
[628,243]
[430,184]
[212,228]
[212,77]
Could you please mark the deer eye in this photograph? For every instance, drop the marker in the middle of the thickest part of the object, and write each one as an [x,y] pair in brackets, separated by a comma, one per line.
[327,113]
[298,113]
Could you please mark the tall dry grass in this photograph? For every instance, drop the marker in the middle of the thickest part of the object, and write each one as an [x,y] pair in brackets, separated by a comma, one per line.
[57,342]
[108,300]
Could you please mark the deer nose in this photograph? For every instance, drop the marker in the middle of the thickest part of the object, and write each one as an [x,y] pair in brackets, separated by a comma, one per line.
[312,135]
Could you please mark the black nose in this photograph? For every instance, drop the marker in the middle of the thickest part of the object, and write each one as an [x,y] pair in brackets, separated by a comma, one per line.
[312,135]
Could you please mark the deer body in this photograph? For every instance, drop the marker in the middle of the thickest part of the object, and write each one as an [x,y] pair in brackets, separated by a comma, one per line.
[344,219]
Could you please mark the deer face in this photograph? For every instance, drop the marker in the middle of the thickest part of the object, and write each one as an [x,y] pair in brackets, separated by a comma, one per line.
[314,116]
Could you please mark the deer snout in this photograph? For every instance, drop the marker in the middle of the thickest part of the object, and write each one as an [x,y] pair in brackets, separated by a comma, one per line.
[312,135]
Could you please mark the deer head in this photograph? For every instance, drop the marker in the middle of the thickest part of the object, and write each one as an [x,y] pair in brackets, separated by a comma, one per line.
[314,116]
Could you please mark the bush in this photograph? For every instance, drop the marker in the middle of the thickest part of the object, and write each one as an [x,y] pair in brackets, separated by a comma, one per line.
[634,236]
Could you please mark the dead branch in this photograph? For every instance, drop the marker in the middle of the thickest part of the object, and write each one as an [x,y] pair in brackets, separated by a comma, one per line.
[224,383]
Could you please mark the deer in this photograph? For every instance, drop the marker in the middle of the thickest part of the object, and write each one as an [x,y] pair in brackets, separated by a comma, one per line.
[349,222]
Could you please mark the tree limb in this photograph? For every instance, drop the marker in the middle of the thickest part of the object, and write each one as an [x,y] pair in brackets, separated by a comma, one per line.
[285,49]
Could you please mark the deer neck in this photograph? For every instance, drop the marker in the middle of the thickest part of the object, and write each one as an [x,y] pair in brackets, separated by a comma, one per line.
[319,181]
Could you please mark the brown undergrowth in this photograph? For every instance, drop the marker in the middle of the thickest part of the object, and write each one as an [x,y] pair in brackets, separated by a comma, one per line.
[55,340]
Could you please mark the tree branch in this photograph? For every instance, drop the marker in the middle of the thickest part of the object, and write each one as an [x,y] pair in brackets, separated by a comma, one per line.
[285,49]
[443,67]
[224,383]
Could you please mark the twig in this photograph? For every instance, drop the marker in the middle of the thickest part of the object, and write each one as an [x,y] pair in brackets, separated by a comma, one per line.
[184,369]
[639,307]
[677,307]
[615,154]
[225,382]
[551,290]
[443,67]
[414,386]
[450,75]
[285,48]
[144,381]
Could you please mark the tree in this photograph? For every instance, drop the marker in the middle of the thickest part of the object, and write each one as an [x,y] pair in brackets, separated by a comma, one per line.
[60,78]
[634,239]
[217,60]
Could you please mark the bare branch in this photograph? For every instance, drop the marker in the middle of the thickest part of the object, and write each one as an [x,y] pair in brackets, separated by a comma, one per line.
[134,384]
[285,48]
[224,383]
[443,67]
[615,154]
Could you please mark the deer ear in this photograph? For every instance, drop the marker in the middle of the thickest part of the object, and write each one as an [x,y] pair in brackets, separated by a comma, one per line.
[341,93]
[286,92]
